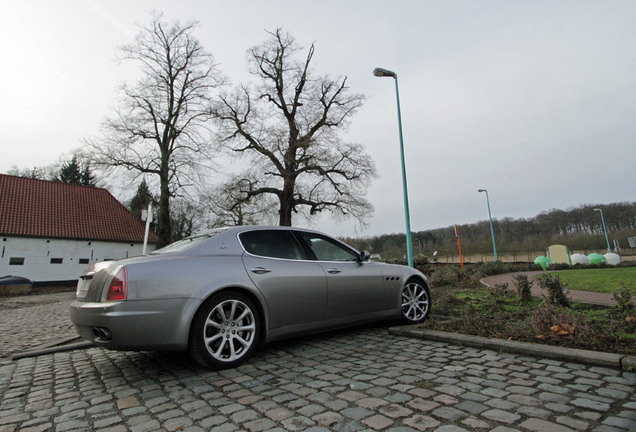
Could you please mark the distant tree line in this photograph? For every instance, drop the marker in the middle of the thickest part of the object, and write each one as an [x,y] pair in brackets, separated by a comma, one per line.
[579,228]
[71,171]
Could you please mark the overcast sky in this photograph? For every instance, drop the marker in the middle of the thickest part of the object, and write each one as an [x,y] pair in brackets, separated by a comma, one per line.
[533,100]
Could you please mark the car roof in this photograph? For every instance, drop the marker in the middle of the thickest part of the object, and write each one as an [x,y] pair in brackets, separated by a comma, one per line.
[234,231]
[243,228]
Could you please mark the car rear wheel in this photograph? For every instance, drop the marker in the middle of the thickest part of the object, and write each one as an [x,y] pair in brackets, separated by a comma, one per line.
[416,301]
[225,331]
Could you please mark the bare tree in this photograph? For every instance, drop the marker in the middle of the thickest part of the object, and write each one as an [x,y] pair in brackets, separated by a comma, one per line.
[161,125]
[186,219]
[34,173]
[227,206]
[289,125]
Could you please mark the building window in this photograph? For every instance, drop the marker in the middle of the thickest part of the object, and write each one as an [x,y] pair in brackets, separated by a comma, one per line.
[16,261]
[83,260]
[56,260]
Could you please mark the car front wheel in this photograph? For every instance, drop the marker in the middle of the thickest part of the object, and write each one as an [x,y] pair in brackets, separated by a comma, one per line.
[416,301]
[225,331]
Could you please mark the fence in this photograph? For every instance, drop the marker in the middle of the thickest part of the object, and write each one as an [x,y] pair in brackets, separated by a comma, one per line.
[627,254]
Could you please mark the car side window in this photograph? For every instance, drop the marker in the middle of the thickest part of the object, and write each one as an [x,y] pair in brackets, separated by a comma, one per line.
[327,249]
[272,244]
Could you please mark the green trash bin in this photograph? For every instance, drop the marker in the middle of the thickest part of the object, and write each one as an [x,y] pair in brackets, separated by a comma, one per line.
[543,261]
[596,258]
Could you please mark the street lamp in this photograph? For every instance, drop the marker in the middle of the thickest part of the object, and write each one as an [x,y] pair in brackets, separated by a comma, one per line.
[604,229]
[492,232]
[379,72]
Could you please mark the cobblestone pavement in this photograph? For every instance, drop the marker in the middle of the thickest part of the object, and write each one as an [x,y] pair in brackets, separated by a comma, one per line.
[28,321]
[358,379]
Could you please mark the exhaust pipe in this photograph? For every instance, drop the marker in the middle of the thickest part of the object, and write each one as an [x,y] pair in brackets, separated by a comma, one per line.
[102,333]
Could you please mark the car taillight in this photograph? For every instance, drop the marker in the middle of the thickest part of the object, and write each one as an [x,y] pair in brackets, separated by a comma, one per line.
[117,287]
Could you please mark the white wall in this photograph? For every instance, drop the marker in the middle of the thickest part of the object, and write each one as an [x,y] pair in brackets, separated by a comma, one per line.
[38,254]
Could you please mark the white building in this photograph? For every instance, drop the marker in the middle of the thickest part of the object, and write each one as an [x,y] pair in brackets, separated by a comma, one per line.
[49,231]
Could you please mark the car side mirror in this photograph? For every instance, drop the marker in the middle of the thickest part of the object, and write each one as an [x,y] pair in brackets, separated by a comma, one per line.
[364,256]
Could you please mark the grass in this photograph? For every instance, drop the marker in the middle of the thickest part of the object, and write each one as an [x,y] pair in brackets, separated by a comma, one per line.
[494,313]
[606,280]
[499,312]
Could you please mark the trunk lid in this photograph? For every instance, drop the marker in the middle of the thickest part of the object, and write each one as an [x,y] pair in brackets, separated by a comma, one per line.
[92,281]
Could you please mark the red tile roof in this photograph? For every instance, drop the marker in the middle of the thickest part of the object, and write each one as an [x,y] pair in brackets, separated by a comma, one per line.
[40,208]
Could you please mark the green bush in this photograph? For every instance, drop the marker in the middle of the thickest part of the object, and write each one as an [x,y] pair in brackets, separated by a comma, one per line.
[472,273]
[499,294]
[523,286]
[448,275]
[556,289]
[623,299]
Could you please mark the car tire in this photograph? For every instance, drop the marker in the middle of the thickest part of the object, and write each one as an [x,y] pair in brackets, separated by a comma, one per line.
[225,331]
[416,301]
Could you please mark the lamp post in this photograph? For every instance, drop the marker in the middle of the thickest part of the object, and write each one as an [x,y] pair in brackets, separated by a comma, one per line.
[492,232]
[604,229]
[379,72]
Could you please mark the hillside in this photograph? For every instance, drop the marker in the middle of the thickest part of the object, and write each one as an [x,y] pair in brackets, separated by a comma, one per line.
[579,228]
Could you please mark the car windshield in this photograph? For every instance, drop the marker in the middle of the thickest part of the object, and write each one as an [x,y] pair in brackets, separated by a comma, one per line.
[186,243]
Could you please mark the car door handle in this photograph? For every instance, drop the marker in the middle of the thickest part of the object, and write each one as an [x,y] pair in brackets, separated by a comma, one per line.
[333,271]
[260,270]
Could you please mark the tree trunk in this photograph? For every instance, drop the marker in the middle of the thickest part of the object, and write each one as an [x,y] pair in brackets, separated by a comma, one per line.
[163,224]
[286,203]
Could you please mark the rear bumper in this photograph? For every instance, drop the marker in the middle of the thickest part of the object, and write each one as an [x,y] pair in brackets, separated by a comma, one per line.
[157,325]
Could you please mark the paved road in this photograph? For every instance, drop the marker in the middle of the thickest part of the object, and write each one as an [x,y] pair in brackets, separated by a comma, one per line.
[360,379]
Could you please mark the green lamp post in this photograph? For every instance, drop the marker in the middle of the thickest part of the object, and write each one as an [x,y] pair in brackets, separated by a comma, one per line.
[492,232]
[379,72]
[604,229]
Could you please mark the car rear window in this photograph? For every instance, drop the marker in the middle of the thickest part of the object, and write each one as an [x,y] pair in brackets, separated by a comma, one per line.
[186,243]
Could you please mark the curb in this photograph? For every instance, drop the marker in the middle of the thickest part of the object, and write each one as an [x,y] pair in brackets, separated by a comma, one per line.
[595,358]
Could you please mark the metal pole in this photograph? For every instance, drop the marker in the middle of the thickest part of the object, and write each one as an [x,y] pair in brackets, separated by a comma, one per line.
[379,72]
[148,220]
[409,241]
[459,246]
[492,231]
[604,230]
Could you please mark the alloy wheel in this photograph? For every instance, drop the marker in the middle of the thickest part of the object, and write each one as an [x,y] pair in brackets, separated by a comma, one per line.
[415,302]
[229,330]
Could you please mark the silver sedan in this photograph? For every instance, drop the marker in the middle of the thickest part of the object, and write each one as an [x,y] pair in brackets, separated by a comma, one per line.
[222,294]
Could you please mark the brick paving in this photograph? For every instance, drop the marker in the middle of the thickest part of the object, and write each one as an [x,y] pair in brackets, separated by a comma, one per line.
[27,321]
[350,380]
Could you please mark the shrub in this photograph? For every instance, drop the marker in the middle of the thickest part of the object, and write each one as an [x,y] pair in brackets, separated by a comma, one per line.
[556,289]
[490,269]
[623,299]
[448,275]
[549,314]
[523,286]
[497,296]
